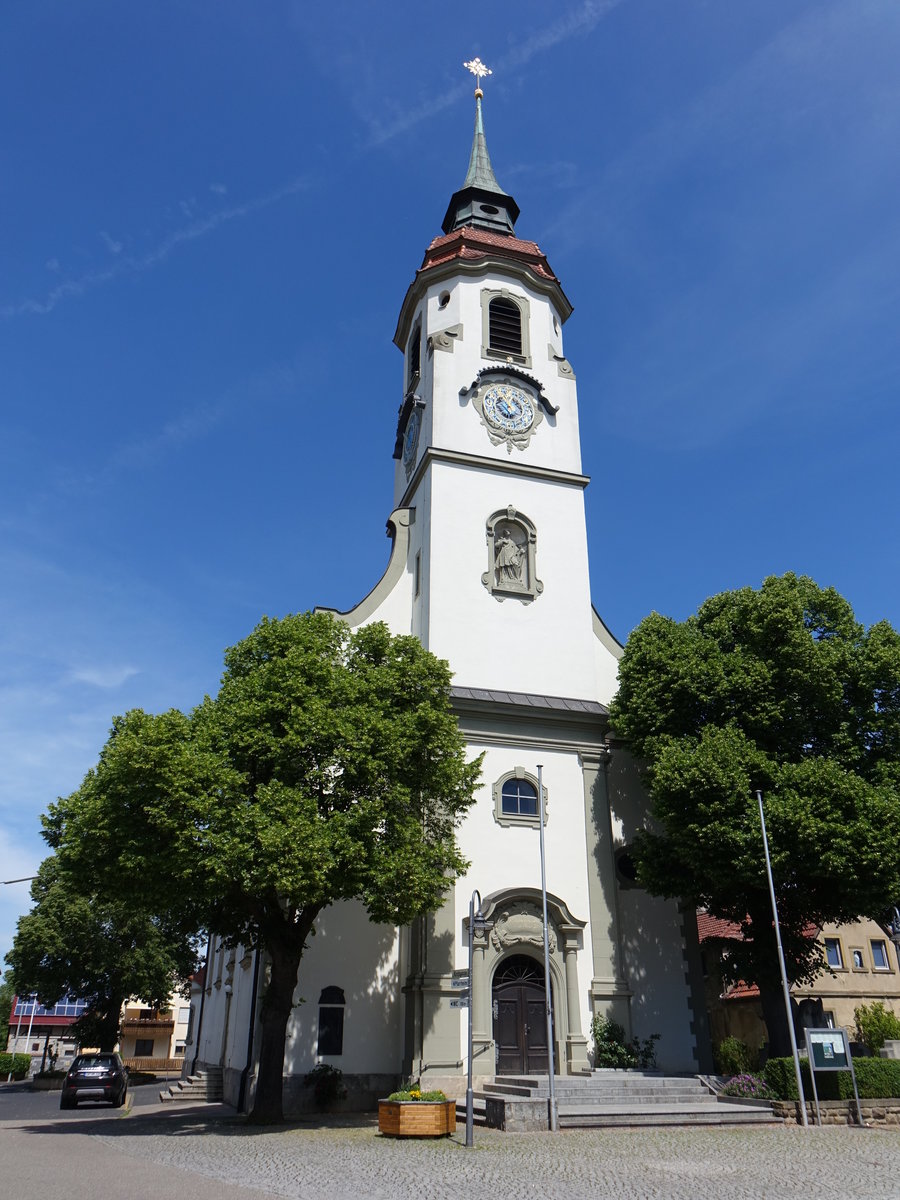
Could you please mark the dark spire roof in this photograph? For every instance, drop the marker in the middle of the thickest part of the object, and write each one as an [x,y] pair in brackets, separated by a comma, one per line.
[481,201]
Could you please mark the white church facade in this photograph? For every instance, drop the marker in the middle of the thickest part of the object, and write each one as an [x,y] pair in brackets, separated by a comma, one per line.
[489,569]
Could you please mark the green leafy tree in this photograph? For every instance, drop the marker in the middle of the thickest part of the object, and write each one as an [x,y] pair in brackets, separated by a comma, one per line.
[780,689]
[876,1024]
[100,950]
[329,767]
[7,991]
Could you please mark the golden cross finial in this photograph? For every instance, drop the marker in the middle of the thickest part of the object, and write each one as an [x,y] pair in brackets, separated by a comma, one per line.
[479,70]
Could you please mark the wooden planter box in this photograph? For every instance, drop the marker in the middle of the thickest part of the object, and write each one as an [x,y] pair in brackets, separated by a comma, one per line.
[416,1118]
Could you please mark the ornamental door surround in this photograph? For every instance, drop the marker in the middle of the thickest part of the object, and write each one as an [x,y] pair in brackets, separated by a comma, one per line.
[513,927]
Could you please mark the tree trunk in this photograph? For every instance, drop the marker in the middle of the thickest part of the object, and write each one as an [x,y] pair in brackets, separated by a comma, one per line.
[772,999]
[285,951]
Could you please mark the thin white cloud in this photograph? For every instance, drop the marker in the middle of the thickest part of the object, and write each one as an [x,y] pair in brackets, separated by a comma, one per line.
[218,188]
[52,264]
[102,677]
[135,264]
[112,245]
[578,22]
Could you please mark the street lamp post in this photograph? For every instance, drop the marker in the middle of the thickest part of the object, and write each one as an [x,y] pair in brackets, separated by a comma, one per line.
[894,931]
[475,918]
[554,1121]
[784,980]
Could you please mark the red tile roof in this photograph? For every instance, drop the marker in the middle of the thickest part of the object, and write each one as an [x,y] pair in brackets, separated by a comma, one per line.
[473,243]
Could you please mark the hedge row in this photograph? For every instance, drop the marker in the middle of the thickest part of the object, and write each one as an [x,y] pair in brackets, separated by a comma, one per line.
[19,1064]
[876,1078]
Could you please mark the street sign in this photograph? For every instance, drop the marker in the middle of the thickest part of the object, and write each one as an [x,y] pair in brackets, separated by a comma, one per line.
[460,973]
[459,1002]
[461,981]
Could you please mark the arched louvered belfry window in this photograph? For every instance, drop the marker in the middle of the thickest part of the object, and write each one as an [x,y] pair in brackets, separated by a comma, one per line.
[414,356]
[331,1021]
[505,326]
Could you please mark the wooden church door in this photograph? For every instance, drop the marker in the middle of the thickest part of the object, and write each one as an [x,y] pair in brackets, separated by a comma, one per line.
[520,1017]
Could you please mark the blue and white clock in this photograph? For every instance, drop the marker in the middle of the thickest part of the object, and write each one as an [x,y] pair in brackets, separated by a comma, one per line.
[509,411]
[508,408]
[411,439]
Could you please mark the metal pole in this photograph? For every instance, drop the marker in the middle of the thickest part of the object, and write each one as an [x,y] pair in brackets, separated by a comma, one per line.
[470,1096]
[554,1118]
[784,982]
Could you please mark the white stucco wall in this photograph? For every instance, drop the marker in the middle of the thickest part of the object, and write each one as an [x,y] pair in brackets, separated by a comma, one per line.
[350,952]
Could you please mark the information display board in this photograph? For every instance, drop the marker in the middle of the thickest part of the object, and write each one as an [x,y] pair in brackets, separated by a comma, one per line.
[829,1049]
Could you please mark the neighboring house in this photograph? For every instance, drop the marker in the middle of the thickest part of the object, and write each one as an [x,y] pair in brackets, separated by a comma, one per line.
[489,569]
[151,1040]
[859,966]
[39,1029]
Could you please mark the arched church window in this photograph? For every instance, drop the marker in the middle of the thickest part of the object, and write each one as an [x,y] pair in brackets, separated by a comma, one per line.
[414,356]
[519,798]
[512,546]
[331,1021]
[516,799]
[505,326]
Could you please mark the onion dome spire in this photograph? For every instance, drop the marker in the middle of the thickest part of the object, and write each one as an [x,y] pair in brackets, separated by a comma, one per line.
[481,201]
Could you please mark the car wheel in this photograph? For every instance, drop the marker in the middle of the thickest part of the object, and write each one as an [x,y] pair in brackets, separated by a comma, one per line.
[120,1102]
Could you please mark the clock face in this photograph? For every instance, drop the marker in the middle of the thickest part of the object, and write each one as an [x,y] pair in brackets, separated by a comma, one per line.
[508,408]
[411,437]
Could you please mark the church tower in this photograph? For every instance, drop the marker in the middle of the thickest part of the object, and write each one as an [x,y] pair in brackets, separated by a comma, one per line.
[489,569]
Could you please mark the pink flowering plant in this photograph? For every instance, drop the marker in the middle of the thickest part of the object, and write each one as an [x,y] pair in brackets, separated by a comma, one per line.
[750,1087]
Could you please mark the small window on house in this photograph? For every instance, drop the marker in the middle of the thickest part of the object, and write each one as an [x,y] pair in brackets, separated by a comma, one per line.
[35,1046]
[331,1021]
[443,299]
[143,1048]
[880,956]
[829,1018]
[414,357]
[179,1048]
[833,954]
[859,962]
[519,798]
[184,1015]
[505,326]
[418,573]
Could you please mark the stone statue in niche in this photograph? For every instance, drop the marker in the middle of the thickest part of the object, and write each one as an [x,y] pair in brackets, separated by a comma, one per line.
[511,546]
[510,557]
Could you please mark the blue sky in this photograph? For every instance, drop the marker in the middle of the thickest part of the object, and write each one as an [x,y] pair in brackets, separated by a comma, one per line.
[211,213]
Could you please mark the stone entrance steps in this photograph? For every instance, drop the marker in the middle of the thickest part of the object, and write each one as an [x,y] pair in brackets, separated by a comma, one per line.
[613,1098]
[205,1086]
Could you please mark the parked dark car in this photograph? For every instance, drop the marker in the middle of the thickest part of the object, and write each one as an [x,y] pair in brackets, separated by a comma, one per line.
[95,1077]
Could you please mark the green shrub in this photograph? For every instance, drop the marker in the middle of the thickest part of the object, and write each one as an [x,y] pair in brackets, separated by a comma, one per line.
[19,1064]
[415,1094]
[734,1057]
[875,1025]
[876,1078]
[611,1049]
[327,1083]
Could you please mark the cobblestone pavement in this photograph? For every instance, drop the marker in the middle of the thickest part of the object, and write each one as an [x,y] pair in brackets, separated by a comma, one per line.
[310,1162]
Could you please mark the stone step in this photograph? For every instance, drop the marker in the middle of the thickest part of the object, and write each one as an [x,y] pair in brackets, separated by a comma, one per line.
[519,1103]
[478,1107]
[204,1087]
[665,1116]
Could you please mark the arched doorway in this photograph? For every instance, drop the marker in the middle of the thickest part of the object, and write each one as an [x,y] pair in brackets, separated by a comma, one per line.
[520,1017]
